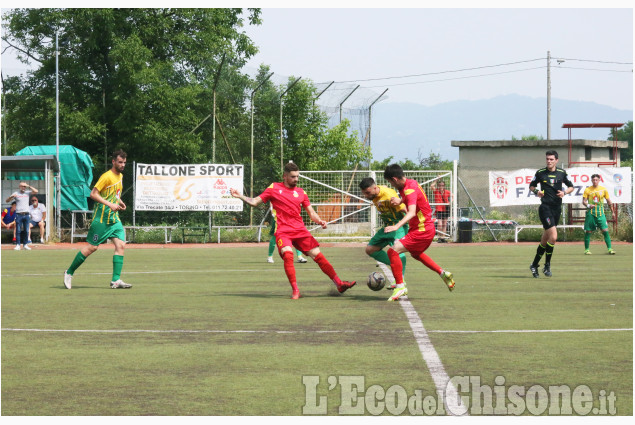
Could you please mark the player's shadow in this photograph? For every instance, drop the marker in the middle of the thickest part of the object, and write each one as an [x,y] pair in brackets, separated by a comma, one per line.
[80,287]
[522,277]
[250,295]
[347,297]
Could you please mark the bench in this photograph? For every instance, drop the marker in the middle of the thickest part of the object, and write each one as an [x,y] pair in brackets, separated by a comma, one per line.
[520,227]
[166,229]
[83,214]
[35,230]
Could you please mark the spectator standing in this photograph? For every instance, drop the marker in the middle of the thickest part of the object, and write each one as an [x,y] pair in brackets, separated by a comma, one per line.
[442,210]
[22,210]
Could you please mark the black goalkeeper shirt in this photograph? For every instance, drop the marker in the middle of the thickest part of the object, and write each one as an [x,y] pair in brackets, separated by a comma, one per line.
[551,182]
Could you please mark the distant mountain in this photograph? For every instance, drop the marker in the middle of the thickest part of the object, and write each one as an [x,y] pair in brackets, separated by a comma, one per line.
[402,129]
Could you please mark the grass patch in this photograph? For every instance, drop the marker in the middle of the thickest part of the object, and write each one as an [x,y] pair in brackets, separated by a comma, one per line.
[213,293]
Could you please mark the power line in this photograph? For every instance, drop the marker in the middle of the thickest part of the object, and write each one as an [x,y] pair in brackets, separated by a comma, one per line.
[485,67]
[440,72]
[596,61]
[457,78]
[490,74]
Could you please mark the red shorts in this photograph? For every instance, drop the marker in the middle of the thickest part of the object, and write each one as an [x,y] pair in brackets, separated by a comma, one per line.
[302,240]
[417,242]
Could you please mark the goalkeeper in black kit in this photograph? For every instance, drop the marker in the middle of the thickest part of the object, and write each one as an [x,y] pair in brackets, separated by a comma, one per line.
[551,180]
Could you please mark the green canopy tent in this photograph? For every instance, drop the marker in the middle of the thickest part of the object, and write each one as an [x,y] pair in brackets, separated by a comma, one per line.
[76,171]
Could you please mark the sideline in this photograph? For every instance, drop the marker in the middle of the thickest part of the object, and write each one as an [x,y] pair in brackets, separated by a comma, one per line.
[337,331]
[79,245]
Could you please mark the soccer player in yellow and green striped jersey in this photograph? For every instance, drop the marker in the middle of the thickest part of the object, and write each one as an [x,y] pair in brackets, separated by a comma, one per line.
[390,215]
[106,223]
[593,199]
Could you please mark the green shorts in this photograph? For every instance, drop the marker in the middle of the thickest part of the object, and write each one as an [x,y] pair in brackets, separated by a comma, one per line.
[382,239]
[592,222]
[100,232]
[272,228]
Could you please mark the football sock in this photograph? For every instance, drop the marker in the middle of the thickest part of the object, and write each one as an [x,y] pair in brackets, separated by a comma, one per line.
[272,245]
[382,257]
[539,252]
[289,269]
[327,268]
[587,240]
[78,261]
[548,252]
[117,265]
[429,263]
[297,251]
[395,265]
[607,239]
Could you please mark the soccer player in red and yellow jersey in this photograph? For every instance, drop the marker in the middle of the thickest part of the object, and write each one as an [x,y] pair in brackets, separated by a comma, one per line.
[593,199]
[286,202]
[106,223]
[420,233]
[390,214]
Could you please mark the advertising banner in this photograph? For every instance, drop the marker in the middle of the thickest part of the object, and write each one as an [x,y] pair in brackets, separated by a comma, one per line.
[512,187]
[188,187]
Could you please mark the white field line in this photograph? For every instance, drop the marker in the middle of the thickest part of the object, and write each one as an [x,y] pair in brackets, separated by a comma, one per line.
[179,331]
[350,331]
[445,388]
[528,331]
[174,271]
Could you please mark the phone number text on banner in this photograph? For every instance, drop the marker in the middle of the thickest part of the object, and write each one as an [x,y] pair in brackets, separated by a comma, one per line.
[188,187]
[512,187]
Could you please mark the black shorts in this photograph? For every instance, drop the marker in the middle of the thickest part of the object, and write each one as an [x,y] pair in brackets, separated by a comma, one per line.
[443,214]
[549,215]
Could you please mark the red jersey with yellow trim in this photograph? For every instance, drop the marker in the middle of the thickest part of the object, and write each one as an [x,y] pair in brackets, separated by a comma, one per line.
[411,194]
[286,206]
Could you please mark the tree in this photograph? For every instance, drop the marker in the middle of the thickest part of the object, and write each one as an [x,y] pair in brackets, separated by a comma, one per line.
[624,134]
[529,137]
[142,80]
[333,149]
[132,78]
[432,162]
[309,142]
[266,130]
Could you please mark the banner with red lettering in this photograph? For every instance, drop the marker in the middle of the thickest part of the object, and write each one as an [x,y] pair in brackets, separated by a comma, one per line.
[512,187]
[187,187]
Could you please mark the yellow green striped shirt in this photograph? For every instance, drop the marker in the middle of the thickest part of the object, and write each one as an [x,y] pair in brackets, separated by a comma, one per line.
[596,197]
[389,214]
[110,186]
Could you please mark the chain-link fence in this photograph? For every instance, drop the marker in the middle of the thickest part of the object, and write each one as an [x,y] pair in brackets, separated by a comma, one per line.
[337,199]
[351,102]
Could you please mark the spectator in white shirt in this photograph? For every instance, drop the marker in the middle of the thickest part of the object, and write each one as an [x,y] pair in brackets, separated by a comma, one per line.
[37,212]
[22,219]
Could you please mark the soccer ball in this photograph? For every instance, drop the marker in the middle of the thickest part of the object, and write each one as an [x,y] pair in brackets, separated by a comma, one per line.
[376,281]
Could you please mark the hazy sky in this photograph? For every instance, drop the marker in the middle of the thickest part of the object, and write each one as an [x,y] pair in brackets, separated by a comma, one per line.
[360,44]
[345,44]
